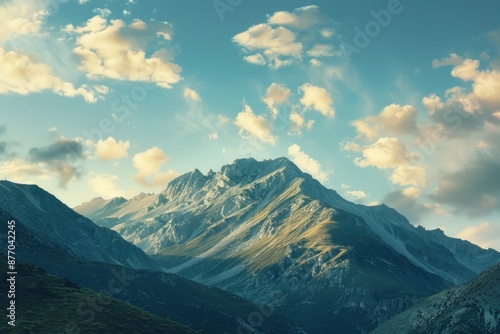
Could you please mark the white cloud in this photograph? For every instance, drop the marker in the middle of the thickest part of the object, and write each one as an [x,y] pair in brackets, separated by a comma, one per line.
[357,194]
[21,74]
[412,192]
[272,43]
[83,2]
[394,119]
[351,146]
[303,18]
[485,84]
[256,126]
[18,170]
[315,62]
[102,12]
[453,59]
[213,136]
[116,51]
[317,98]
[148,165]
[126,12]
[256,59]
[384,153]
[104,185]
[321,50]
[191,94]
[485,235]
[21,17]
[327,32]
[276,95]
[306,163]
[110,149]
[409,175]
[283,38]
[300,123]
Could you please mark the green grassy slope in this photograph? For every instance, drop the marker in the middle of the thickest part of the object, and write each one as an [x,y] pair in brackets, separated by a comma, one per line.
[50,304]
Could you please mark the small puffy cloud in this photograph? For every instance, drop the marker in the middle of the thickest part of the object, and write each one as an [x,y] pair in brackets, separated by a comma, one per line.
[83,2]
[365,129]
[466,70]
[256,126]
[474,189]
[306,163]
[315,62]
[102,12]
[397,119]
[432,103]
[110,149]
[486,235]
[256,59]
[384,153]
[191,94]
[412,192]
[351,146]
[317,98]
[21,17]
[485,84]
[21,74]
[356,194]
[452,59]
[148,165]
[327,32]
[116,51]
[213,136]
[394,119]
[300,123]
[277,45]
[276,95]
[104,185]
[303,18]
[321,50]
[126,12]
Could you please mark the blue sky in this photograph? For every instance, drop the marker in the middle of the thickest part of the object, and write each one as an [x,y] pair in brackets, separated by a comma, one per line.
[385,101]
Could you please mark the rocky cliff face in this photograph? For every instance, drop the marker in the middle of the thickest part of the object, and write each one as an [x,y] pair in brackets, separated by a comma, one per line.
[470,308]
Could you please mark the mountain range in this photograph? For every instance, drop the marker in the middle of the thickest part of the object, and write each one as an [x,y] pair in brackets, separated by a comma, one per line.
[257,247]
[264,228]
[93,263]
